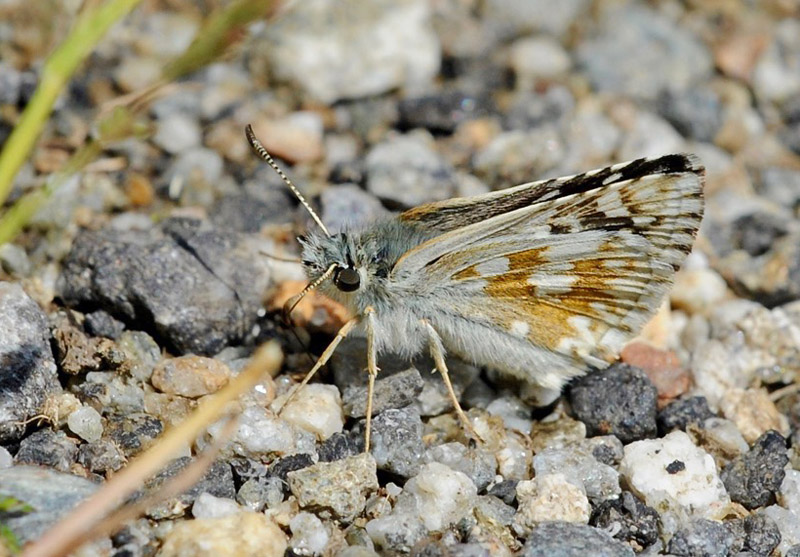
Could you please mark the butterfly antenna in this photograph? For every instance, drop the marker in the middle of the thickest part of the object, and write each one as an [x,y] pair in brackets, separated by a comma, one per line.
[292,302]
[262,152]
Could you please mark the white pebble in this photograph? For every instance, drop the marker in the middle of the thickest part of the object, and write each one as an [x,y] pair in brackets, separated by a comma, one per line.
[261,433]
[6,460]
[86,423]
[177,132]
[209,506]
[535,58]
[789,494]
[547,498]
[316,408]
[788,524]
[309,535]
[676,477]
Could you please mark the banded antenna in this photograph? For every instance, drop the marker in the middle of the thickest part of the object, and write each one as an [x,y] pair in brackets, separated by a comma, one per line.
[259,149]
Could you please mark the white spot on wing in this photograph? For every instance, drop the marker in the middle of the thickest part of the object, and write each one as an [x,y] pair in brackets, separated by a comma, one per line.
[520,329]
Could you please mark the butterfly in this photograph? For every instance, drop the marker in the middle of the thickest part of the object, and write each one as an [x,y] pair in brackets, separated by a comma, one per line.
[540,281]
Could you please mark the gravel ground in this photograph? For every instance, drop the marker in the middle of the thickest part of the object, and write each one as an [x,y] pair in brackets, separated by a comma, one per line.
[145,283]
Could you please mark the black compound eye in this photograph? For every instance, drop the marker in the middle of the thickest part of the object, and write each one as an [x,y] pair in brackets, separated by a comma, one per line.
[347,279]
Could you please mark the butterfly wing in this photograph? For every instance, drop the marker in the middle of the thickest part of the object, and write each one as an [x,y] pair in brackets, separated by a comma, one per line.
[546,287]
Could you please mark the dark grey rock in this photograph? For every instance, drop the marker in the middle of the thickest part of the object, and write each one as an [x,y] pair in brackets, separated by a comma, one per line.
[217,481]
[194,287]
[443,111]
[27,369]
[756,533]
[245,469]
[340,445]
[640,52]
[532,109]
[51,494]
[397,441]
[682,412]
[48,448]
[565,539]
[349,364]
[281,467]
[101,457]
[133,432]
[10,84]
[752,479]
[619,400]
[395,391]
[245,213]
[756,233]
[102,324]
[780,185]
[506,491]
[632,521]
[348,173]
[702,538]
[696,113]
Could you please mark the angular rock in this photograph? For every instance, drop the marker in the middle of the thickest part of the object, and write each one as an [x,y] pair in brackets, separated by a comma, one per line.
[572,540]
[754,478]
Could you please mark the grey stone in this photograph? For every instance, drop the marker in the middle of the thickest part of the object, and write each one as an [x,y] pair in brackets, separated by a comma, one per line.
[514,17]
[533,109]
[757,534]
[565,539]
[133,432]
[195,288]
[780,185]
[395,391]
[702,538]
[682,412]
[752,479]
[27,369]
[245,213]
[10,84]
[51,494]
[641,53]
[48,448]
[397,441]
[102,324]
[217,481]
[619,400]
[632,521]
[340,445]
[696,113]
[256,494]
[579,466]
[348,206]
[349,49]
[142,352]
[442,112]
[101,457]
[335,489]
[478,464]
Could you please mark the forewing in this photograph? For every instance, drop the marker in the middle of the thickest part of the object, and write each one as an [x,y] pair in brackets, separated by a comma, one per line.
[573,275]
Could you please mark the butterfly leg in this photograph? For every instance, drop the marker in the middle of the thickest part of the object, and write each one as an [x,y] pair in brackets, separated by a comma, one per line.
[323,359]
[372,370]
[437,353]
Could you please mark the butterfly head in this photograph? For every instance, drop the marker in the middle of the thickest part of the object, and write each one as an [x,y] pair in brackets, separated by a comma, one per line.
[339,258]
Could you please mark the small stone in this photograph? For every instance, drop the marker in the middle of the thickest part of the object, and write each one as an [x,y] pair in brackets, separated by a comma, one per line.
[177,133]
[133,432]
[190,376]
[549,497]
[513,457]
[101,324]
[516,156]
[698,290]
[478,464]
[515,17]
[695,112]
[674,476]
[258,493]
[570,539]
[397,441]
[240,535]
[606,449]
[395,391]
[338,489]
[14,260]
[701,537]
[340,445]
[6,460]
[776,76]
[789,495]
[506,491]
[217,481]
[788,524]
[196,166]
[309,535]
[619,400]
[48,448]
[28,374]
[348,205]
[295,138]
[407,170]
[720,438]
[682,412]
[317,408]
[142,353]
[246,213]
[101,457]
[753,413]
[577,464]
[632,521]
[649,136]
[442,112]
[209,506]
[753,478]
[756,533]
[546,434]
[262,434]
[86,423]
[662,367]
[538,57]
[78,353]
[280,468]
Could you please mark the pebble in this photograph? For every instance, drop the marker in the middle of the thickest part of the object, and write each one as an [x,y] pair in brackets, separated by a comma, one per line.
[639,52]
[513,457]
[788,523]
[720,438]
[340,50]
[101,457]
[142,353]
[309,535]
[395,391]
[86,423]
[648,135]
[261,434]
[14,260]
[241,535]
[133,432]
[578,465]
[776,76]
[619,400]
[516,17]
[442,112]
[102,324]
[295,138]
[701,537]
[217,481]
[756,533]
[397,441]
[434,499]
[789,494]
[662,367]
[537,58]
[532,109]
[572,540]
[547,498]
[698,290]
[556,433]
[194,168]
[696,113]
[678,414]
[177,132]
[632,521]
[673,475]
[340,445]
[187,295]
[29,372]
[48,448]
[477,463]
[338,489]
[259,493]
[347,206]
[190,376]
[754,478]
[6,460]
[209,506]
[406,170]
[753,413]
[50,493]
[317,408]
[517,156]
